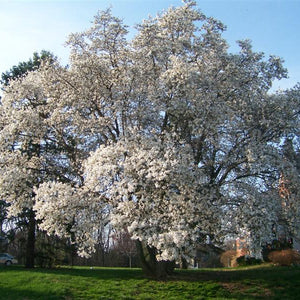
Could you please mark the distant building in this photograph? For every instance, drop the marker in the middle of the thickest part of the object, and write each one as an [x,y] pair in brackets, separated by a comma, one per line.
[241,247]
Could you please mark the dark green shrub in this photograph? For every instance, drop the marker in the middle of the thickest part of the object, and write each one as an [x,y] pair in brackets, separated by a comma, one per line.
[248,261]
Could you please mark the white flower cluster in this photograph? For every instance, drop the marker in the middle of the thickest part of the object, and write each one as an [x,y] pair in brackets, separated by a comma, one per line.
[167,135]
[69,212]
[156,192]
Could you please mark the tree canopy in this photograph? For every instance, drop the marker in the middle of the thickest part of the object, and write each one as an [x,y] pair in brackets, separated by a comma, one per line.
[167,135]
[12,150]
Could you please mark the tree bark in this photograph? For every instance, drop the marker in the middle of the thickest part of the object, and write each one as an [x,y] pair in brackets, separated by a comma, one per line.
[150,265]
[183,263]
[130,261]
[30,245]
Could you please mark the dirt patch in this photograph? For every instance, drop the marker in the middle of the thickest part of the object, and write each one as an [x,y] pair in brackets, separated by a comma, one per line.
[246,289]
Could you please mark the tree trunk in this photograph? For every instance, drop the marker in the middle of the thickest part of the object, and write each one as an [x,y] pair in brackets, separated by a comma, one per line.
[150,265]
[130,261]
[30,246]
[73,253]
[183,263]
[102,256]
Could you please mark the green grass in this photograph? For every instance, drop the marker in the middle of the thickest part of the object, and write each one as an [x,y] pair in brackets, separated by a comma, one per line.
[263,282]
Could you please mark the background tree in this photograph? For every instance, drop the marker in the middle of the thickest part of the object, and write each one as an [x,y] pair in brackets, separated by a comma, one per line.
[27,66]
[288,189]
[3,220]
[123,244]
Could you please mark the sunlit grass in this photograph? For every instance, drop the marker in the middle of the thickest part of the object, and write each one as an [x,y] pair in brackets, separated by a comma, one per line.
[255,282]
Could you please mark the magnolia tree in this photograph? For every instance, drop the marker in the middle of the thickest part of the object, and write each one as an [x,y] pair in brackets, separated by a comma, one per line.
[10,141]
[169,136]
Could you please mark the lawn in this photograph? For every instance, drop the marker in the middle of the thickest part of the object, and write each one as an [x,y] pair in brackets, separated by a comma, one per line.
[264,282]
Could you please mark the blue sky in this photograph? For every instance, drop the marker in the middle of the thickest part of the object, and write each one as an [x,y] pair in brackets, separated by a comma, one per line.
[27,26]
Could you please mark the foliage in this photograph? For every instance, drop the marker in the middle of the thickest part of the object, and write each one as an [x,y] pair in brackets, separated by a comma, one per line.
[276,245]
[289,187]
[96,283]
[285,257]
[50,251]
[24,67]
[248,261]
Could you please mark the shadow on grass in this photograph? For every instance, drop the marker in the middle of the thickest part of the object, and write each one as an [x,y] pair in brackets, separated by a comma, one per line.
[259,272]
[261,282]
[267,273]
[15,293]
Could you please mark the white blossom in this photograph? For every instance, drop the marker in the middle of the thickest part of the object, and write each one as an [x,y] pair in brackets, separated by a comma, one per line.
[168,135]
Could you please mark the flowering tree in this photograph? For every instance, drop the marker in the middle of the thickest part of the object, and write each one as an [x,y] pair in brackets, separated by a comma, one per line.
[171,136]
[15,143]
[50,120]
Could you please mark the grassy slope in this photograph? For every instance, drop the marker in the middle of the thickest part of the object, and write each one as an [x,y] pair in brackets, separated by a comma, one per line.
[101,283]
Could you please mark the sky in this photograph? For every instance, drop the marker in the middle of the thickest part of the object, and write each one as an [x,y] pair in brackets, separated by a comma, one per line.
[28,26]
